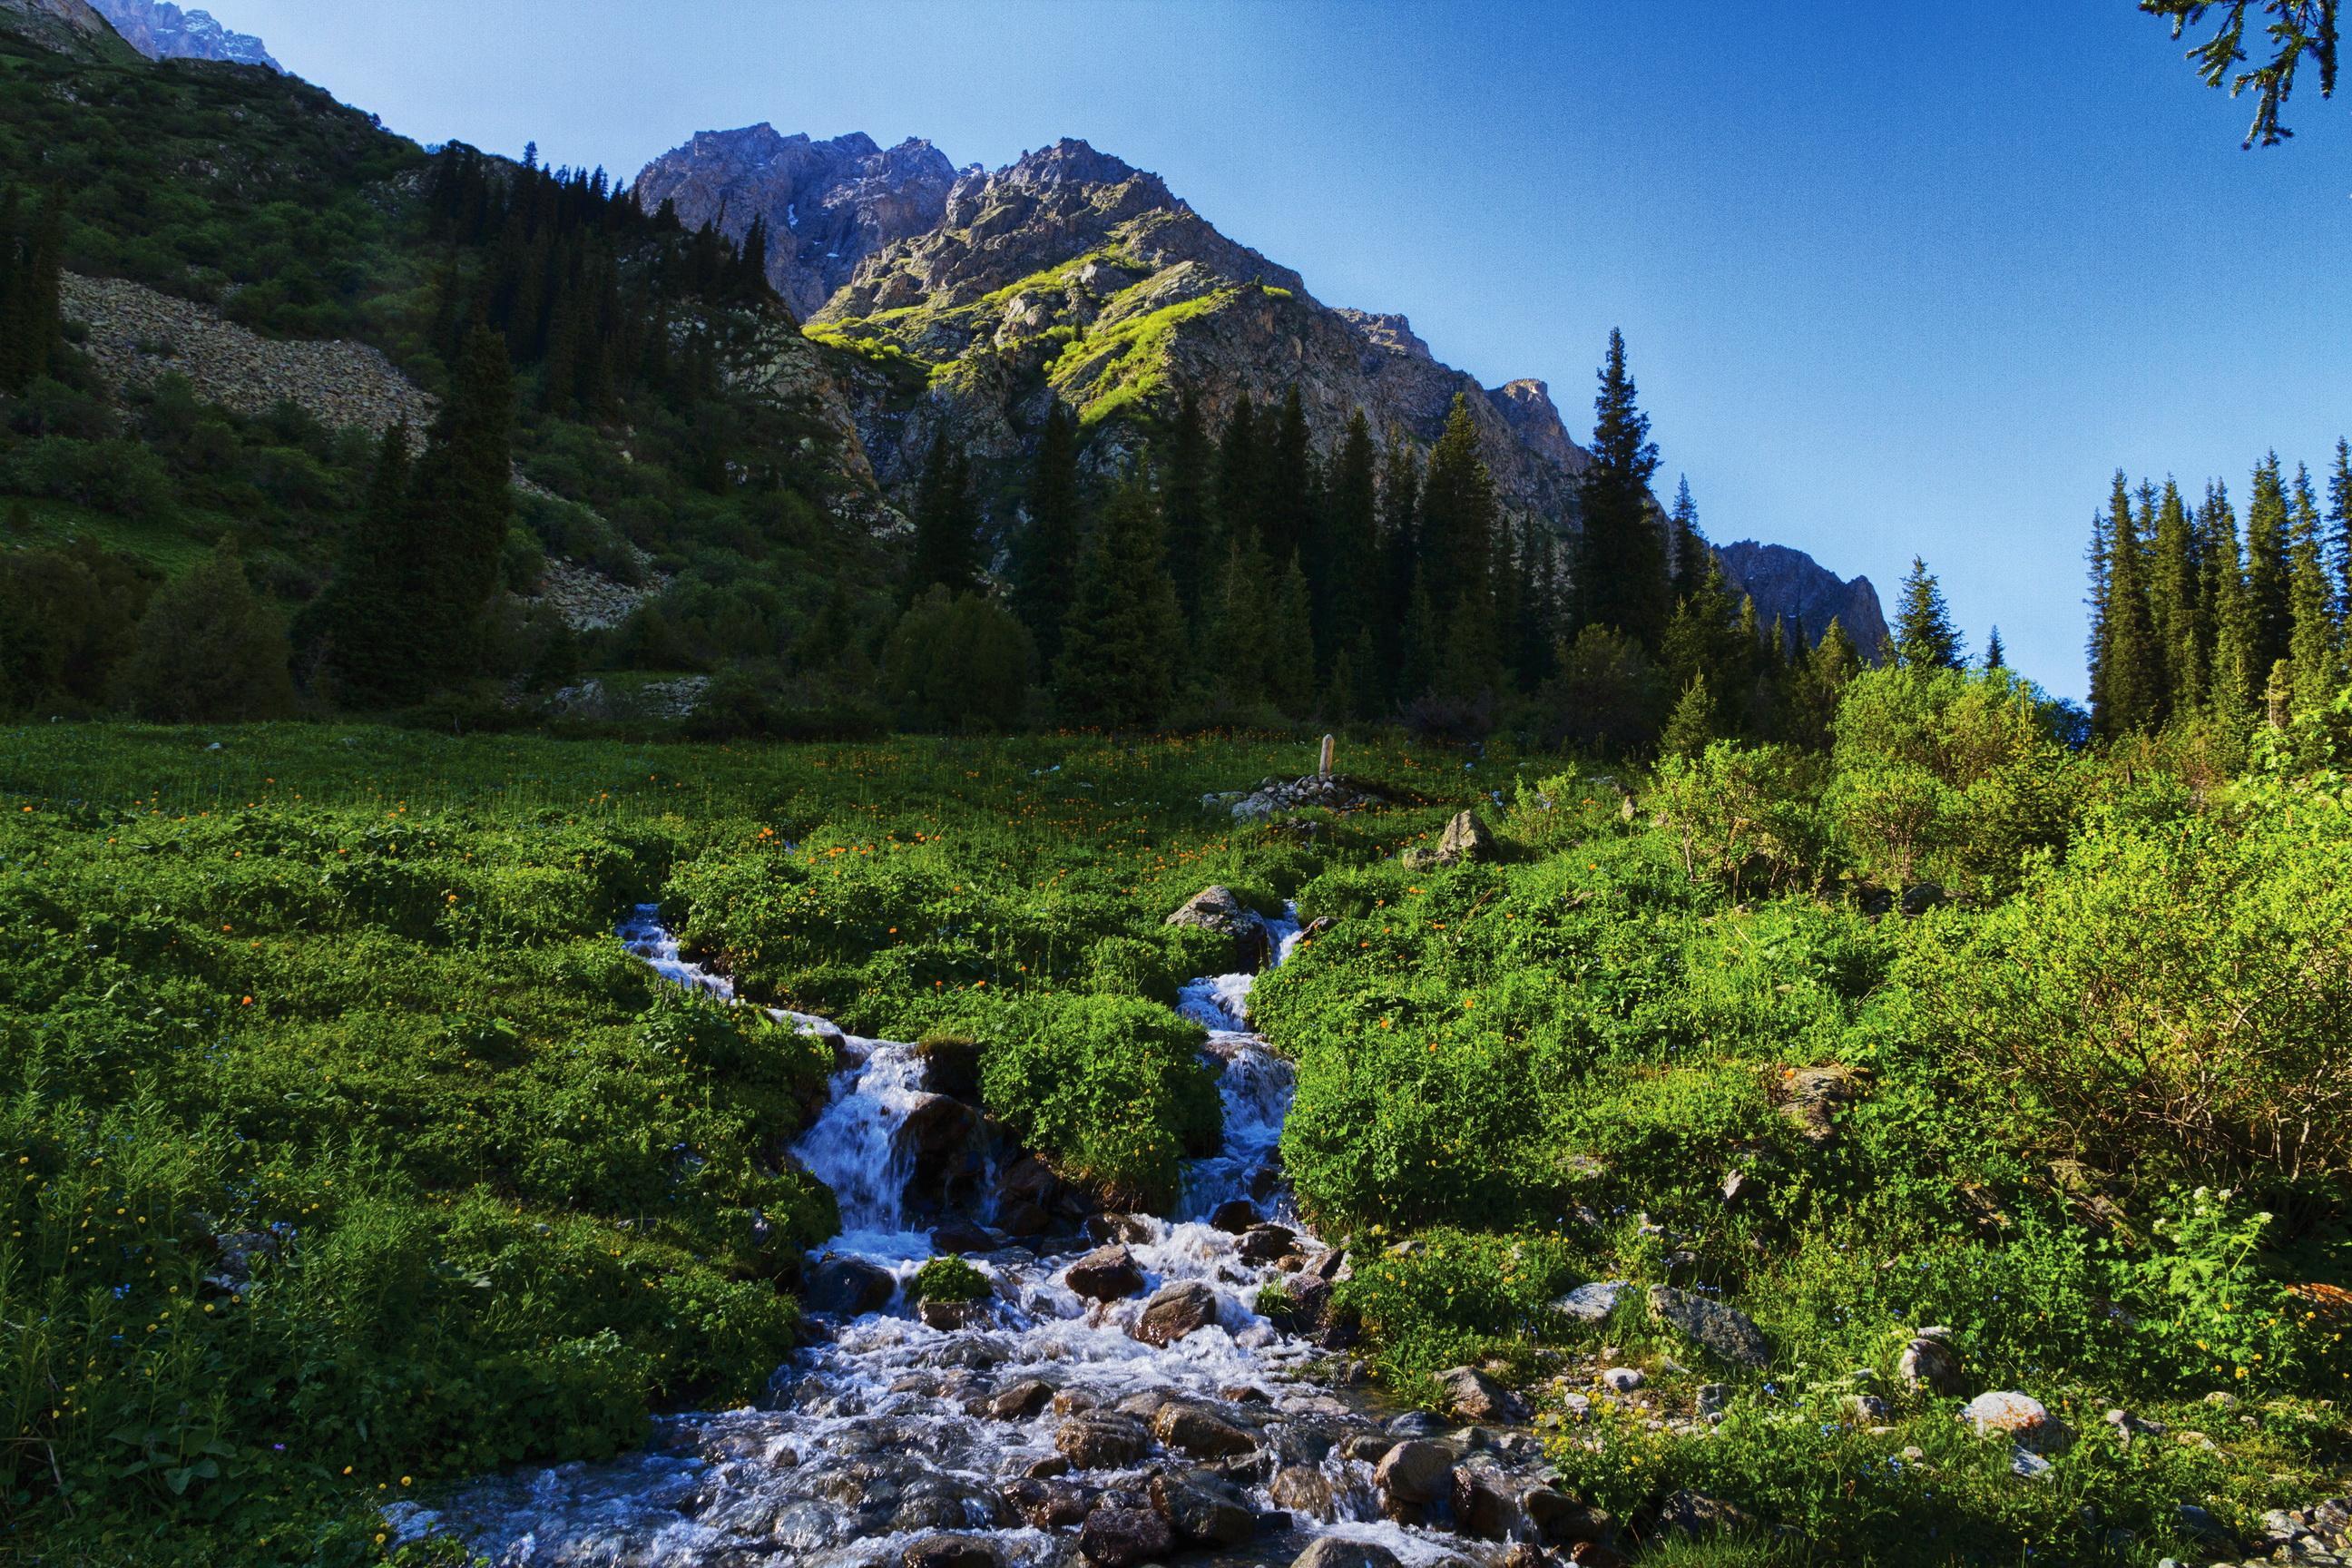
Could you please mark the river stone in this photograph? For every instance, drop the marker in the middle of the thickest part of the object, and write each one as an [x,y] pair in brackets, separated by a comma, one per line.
[1100,1440]
[1216,909]
[1331,1551]
[1267,1243]
[1022,1400]
[2020,1417]
[1592,1303]
[1472,1396]
[1103,1229]
[1046,1504]
[1234,1216]
[1728,1333]
[1124,1537]
[948,1316]
[1483,1505]
[848,1287]
[1203,1508]
[1815,1094]
[1200,1432]
[1174,1311]
[951,1551]
[1303,1488]
[1413,1474]
[1560,1520]
[964,1236]
[1105,1274]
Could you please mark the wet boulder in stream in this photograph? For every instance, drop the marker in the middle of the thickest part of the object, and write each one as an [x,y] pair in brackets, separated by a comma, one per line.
[1216,909]
[1102,1440]
[1267,1243]
[1174,1311]
[1106,1274]
[849,1286]
[1124,1537]
[951,1551]
[1201,1432]
[1410,1477]
[1204,1509]
[1333,1552]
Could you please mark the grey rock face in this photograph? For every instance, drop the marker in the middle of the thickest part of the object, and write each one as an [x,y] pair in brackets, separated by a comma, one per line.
[1175,1310]
[161,31]
[1789,583]
[1216,909]
[828,205]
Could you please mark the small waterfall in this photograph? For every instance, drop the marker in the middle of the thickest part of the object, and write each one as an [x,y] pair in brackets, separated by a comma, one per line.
[853,1148]
[884,1430]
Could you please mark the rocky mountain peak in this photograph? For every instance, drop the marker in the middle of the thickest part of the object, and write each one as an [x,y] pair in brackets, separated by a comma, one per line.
[1387,330]
[161,31]
[1527,407]
[1792,584]
[69,27]
[828,205]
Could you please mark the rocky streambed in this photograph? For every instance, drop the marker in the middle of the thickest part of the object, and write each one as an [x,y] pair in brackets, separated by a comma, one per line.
[1133,1388]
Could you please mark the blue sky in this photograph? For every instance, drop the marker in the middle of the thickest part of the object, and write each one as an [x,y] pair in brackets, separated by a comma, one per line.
[1894,278]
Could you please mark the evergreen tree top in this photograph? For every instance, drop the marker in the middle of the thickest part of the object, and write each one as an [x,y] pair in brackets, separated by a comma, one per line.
[1924,633]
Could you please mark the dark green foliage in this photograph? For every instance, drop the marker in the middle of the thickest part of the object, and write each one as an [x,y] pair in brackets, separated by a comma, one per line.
[1924,633]
[1692,725]
[1607,695]
[32,260]
[2267,574]
[209,651]
[951,1279]
[1454,569]
[1124,636]
[1622,567]
[2312,641]
[947,524]
[1046,558]
[1692,555]
[957,663]
[2300,32]
[1187,509]
[1346,571]
[66,621]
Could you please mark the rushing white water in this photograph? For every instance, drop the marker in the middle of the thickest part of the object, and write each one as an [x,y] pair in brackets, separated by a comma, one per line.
[881,1435]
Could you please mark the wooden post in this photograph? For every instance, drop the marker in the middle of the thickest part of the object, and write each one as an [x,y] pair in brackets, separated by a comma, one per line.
[1327,746]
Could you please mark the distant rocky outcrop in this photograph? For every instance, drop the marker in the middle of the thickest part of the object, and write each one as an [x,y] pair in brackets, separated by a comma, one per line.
[71,27]
[161,31]
[1072,276]
[1791,585]
[828,205]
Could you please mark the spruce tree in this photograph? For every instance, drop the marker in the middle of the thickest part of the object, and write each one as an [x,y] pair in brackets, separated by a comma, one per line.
[1046,566]
[1290,645]
[1399,565]
[1346,576]
[1703,645]
[2132,664]
[1819,684]
[1122,645]
[1289,479]
[2233,679]
[1691,552]
[461,500]
[363,614]
[1241,477]
[1692,725]
[947,524]
[31,298]
[1924,634]
[2177,603]
[2095,652]
[1995,656]
[1458,525]
[1185,469]
[1237,661]
[2314,640]
[2267,566]
[2339,530]
[1621,574]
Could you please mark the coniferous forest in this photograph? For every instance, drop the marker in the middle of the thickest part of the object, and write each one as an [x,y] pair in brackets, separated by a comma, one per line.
[985,932]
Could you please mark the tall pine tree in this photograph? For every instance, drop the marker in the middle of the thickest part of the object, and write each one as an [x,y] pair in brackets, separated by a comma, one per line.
[2234,675]
[1346,575]
[2313,638]
[947,523]
[1046,566]
[2177,603]
[1924,637]
[1289,519]
[2131,683]
[1622,575]
[1186,480]
[1456,565]
[2267,566]
[1122,645]
[1690,548]
[462,500]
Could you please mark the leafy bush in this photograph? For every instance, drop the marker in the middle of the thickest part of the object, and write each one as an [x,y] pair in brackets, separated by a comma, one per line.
[2175,997]
[951,1278]
[1448,1298]
[1111,1091]
[1743,817]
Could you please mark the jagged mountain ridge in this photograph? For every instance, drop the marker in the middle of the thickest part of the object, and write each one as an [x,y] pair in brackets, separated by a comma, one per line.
[71,27]
[1071,276]
[1792,584]
[828,205]
[161,31]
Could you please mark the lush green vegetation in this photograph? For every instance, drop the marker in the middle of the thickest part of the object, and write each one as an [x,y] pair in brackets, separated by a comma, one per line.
[2087,1116]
